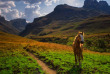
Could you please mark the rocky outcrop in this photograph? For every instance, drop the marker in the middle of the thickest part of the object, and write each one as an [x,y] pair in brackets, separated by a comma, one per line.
[6,26]
[91,4]
[94,4]
[19,24]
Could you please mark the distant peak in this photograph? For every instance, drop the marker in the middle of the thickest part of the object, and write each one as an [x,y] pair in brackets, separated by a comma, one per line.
[63,7]
[2,18]
[103,3]
[90,3]
[94,4]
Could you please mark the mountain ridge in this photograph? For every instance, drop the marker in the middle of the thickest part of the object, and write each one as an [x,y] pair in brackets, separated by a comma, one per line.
[94,4]
[19,24]
[62,15]
[6,26]
[14,26]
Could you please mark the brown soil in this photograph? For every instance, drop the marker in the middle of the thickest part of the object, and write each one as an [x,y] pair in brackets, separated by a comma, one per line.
[43,65]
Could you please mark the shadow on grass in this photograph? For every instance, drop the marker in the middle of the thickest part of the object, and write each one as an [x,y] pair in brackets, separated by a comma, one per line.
[75,70]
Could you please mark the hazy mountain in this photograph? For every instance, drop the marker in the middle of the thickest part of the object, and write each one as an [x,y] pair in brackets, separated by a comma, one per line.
[19,24]
[6,26]
[101,6]
[63,18]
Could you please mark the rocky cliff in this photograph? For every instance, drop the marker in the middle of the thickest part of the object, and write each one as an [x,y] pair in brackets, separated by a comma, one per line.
[19,24]
[6,26]
[94,4]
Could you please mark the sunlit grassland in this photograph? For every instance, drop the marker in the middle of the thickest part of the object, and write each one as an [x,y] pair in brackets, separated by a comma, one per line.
[9,38]
[14,59]
[95,42]
[64,61]
[17,40]
[98,24]
[99,42]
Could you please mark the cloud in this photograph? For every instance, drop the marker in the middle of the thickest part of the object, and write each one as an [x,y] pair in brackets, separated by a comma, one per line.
[7,11]
[47,2]
[32,11]
[7,4]
[10,14]
[0,12]
[50,2]
[33,1]
[69,2]
[27,1]
[77,3]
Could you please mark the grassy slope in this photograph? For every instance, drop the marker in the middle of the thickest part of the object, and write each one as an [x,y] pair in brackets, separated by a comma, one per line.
[9,38]
[8,28]
[6,38]
[100,24]
[17,61]
[64,61]
[13,58]
[95,42]
[57,56]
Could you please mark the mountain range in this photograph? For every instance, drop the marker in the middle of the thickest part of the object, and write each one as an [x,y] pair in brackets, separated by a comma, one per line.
[19,24]
[13,27]
[65,20]
[7,27]
[101,6]
[65,17]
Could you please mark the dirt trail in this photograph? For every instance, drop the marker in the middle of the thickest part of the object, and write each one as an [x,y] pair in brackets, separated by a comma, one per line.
[43,65]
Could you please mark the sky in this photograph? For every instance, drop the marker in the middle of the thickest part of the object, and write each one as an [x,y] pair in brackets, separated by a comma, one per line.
[30,9]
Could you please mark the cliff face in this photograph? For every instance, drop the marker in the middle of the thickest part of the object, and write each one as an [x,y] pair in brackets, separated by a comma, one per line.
[6,26]
[94,4]
[91,4]
[103,4]
[19,24]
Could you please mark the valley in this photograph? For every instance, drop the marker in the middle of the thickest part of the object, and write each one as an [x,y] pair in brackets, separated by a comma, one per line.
[44,46]
[58,57]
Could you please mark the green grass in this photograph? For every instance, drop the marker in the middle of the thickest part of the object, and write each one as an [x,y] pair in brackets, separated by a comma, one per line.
[95,42]
[15,60]
[64,62]
[51,40]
